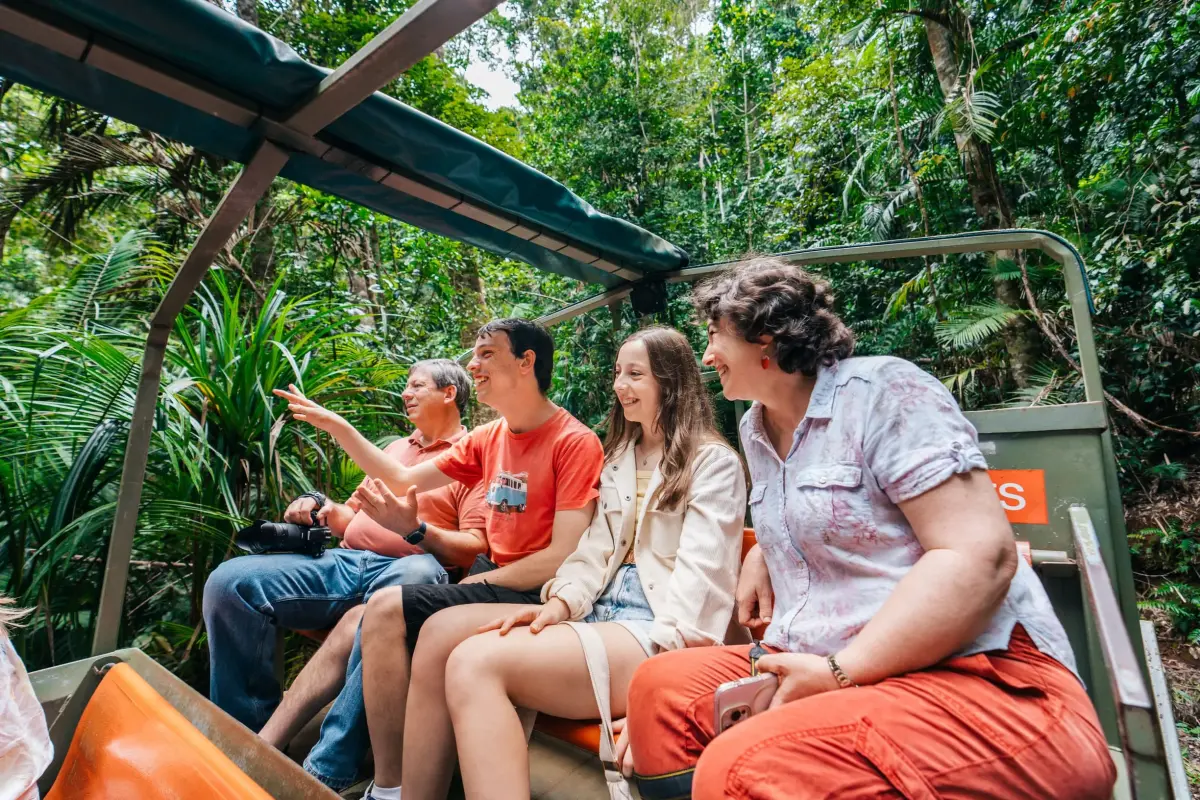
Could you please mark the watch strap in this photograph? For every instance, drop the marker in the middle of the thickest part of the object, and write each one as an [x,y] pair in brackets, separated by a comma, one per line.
[320,500]
[416,536]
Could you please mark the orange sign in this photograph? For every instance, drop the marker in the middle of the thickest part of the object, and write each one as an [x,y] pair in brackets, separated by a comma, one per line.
[1022,494]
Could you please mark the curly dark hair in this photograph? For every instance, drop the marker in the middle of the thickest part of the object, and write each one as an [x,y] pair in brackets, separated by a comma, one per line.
[765,296]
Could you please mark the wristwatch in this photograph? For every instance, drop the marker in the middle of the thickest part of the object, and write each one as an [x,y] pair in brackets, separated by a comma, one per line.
[416,536]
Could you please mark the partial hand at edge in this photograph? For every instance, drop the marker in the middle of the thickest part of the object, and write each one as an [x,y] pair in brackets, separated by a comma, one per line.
[624,753]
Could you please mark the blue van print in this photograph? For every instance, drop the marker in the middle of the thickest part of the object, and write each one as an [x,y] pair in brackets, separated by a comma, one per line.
[508,491]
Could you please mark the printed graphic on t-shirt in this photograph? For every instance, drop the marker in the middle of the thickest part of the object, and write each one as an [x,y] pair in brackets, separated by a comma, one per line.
[507,492]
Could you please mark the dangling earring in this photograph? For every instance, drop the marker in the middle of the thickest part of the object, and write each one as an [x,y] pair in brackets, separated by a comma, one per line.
[766,362]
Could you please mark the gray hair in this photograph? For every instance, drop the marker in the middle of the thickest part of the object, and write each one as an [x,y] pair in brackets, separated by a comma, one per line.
[448,373]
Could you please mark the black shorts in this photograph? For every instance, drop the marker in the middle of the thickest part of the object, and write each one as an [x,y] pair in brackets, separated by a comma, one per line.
[423,600]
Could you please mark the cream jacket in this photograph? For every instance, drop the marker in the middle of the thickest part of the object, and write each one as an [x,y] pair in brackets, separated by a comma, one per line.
[688,559]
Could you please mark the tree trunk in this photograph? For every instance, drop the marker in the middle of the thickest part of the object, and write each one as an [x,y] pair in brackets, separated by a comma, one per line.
[988,199]
[247,11]
[359,281]
[749,157]
[262,245]
[468,287]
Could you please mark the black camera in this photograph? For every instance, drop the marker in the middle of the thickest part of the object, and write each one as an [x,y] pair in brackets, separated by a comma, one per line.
[284,537]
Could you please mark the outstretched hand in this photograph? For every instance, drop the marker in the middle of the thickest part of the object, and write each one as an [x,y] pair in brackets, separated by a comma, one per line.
[378,502]
[536,617]
[310,411]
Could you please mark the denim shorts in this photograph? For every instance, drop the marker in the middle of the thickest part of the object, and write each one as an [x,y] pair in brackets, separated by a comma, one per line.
[624,602]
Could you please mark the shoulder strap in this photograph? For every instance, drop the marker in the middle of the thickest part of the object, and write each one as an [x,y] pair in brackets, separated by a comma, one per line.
[596,657]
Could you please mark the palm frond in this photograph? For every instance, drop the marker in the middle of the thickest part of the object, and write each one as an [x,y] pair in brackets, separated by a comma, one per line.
[972,325]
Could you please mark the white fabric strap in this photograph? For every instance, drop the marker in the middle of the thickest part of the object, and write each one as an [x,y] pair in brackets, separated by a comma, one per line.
[596,656]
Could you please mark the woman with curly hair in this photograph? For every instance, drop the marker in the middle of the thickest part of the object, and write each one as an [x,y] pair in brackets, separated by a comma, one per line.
[916,655]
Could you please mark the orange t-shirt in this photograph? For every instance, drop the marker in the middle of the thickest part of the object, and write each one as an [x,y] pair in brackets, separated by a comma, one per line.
[453,508]
[529,476]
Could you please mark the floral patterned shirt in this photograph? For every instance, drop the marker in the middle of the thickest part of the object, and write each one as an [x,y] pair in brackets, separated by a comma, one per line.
[878,431]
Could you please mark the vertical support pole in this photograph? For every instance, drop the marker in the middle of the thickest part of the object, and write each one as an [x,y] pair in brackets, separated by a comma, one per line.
[250,185]
[615,311]
[1081,315]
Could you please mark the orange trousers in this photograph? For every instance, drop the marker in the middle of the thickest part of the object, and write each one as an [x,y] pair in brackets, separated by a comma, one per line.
[1011,724]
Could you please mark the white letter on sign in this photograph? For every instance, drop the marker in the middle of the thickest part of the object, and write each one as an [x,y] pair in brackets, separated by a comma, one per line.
[1014,492]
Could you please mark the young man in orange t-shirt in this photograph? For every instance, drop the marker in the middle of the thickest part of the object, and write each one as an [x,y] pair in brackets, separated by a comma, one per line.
[540,466]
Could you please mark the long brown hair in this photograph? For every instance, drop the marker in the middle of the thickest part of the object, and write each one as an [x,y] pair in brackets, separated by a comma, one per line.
[685,414]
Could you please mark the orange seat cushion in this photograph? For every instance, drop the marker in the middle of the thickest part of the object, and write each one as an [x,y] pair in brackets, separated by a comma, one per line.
[131,743]
[586,734]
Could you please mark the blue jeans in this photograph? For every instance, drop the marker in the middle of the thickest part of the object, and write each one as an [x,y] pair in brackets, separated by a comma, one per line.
[247,598]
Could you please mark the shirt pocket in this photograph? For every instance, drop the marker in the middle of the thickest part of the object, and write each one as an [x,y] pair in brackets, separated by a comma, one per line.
[663,529]
[610,506]
[831,504]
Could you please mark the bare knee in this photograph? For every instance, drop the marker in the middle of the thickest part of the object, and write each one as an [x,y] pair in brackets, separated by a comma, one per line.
[383,615]
[473,665]
[343,633]
[444,631]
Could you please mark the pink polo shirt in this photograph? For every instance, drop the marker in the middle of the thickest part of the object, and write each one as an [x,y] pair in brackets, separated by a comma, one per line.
[454,507]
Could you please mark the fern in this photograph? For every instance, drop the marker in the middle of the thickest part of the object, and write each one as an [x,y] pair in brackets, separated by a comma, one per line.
[99,278]
[972,114]
[971,326]
[918,283]
[1047,386]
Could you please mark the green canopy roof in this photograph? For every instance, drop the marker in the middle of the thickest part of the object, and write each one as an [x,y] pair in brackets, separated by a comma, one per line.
[192,72]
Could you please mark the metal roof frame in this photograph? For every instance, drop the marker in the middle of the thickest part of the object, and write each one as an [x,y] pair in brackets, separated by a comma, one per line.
[422,29]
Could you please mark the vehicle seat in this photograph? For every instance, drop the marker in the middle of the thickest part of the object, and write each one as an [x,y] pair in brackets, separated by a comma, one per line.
[131,743]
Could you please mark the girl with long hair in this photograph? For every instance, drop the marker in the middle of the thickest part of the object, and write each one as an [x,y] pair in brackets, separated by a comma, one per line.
[655,571]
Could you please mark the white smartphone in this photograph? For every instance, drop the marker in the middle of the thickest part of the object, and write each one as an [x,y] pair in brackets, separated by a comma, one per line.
[737,701]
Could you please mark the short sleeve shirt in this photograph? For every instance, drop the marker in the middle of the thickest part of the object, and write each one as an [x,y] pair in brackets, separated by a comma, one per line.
[528,477]
[454,507]
[878,431]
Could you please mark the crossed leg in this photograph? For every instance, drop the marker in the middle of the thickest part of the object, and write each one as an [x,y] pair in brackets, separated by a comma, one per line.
[489,675]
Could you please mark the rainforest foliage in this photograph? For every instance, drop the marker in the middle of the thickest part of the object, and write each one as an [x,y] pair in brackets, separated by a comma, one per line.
[726,126]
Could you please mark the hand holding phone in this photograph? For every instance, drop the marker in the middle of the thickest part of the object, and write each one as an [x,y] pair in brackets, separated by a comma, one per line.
[737,701]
